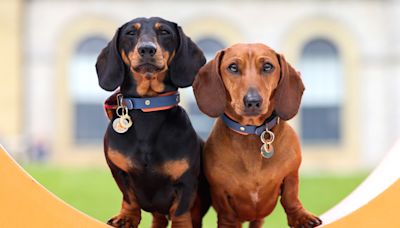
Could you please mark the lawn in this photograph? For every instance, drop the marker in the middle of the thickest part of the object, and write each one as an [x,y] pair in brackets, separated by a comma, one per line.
[93,191]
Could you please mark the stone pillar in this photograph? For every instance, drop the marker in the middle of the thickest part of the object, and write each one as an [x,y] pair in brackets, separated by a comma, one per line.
[11,83]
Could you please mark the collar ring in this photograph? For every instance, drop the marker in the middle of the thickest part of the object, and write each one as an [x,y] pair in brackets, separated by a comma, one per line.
[270,137]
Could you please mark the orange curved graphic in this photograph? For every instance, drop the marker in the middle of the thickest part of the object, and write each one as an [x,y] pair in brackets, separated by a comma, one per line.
[25,203]
[383,211]
[375,202]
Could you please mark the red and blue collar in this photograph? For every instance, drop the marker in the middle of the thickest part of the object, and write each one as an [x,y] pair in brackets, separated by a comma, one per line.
[269,123]
[146,104]
[150,104]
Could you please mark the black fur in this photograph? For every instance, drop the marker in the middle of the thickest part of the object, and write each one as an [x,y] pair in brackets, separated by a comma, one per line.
[110,67]
[155,137]
[170,136]
[183,69]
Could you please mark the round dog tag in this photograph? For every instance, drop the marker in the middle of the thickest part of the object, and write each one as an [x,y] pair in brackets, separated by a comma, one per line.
[118,127]
[267,150]
[125,121]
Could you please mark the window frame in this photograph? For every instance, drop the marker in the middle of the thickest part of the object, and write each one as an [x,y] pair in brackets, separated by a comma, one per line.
[348,152]
[334,103]
[91,96]
[65,150]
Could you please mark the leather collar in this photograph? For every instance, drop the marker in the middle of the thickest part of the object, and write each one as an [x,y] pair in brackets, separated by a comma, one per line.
[269,123]
[152,103]
[146,104]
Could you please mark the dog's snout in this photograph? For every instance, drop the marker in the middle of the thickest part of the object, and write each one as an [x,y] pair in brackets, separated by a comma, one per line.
[147,49]
[252,100]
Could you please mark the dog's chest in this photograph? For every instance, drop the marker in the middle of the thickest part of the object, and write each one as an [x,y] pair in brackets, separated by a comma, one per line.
[159,144]
[148,155]
[250,179]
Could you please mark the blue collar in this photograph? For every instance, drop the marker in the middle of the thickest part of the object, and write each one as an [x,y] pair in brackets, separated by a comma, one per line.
[160,102]
[269,123]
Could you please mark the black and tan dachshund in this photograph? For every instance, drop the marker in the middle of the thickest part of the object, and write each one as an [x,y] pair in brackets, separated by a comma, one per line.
[154,156]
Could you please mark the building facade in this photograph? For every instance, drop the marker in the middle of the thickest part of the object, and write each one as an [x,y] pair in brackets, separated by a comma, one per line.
[347,51]
[12,112]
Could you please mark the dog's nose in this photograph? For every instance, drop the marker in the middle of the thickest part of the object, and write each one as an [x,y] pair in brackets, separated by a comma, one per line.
[252,100]
[147,49]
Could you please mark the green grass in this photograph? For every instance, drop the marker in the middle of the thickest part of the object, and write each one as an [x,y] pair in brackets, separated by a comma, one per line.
[93,191]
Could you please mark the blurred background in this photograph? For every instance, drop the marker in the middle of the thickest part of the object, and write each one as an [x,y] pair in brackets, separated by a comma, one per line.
[52,118]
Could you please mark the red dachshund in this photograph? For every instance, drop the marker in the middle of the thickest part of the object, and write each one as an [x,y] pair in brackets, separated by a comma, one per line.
[250,88]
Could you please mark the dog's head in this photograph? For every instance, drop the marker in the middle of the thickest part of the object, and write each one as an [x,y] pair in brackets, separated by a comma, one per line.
[148,56]
[249,82]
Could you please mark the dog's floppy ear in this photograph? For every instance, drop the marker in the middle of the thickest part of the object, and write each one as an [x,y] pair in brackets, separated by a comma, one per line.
[209,89]
[289,91]
[187,61]
[109,66]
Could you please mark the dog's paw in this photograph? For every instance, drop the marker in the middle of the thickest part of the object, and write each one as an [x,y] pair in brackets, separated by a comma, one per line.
[121,221]
[304,219]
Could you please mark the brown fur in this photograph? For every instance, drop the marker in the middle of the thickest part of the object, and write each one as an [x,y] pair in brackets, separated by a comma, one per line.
[182,221]
[129,214]
[137,26]
[175,168]
[244,185]
[119,160]
[157,26]
[148,83]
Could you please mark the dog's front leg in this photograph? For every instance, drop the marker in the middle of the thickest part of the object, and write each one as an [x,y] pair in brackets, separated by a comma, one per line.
[224,205]
[297,216]
[180,210]
[182,220]
[159,221]
[228,221]
[129,215]
[256,223]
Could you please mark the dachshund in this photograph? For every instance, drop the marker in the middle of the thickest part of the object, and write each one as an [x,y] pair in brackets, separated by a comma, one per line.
[150,146]
[252,156]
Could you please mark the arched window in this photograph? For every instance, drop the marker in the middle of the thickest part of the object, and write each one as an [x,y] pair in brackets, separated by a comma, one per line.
[210,46]
[201,123]
[86,95]
[322,73]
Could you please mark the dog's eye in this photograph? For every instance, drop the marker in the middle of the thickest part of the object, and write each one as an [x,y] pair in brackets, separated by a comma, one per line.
[131,33]
[164,32]
[267,67]
[233,68]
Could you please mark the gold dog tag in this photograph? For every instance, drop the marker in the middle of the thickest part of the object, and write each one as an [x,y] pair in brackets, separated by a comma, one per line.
[120,126]
[124,121]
